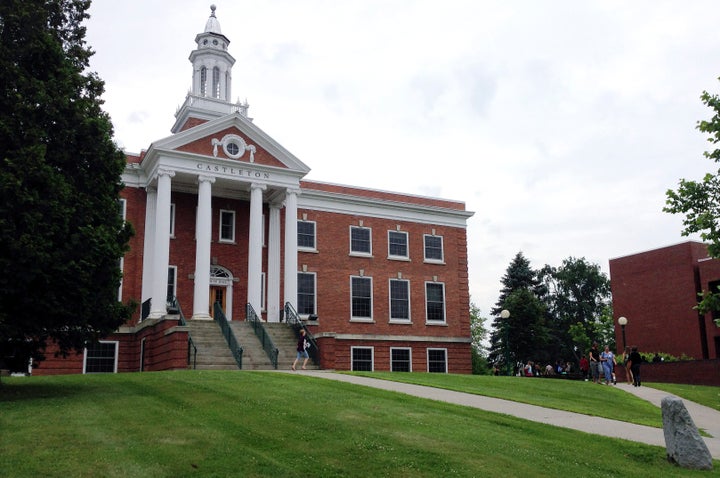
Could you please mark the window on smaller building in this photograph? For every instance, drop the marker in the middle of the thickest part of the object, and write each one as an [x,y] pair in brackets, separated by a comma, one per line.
[435,302]
[433,248]
[172,283]
[400,359]
[172,220]
[100,357]
[362,359]
[227,226]
[437,360]
[361,298]
[399,300]
[306,235]
[306,293]
[360,240]
[397,245]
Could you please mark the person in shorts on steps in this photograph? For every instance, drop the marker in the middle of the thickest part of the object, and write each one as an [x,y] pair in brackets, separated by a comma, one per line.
[302,352]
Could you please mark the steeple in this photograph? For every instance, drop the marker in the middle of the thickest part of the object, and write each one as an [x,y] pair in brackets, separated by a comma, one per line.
[211,90]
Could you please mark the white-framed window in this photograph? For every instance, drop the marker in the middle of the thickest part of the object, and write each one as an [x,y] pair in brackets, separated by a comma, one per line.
[101,357]
[216,82]
[435,302]
[172,283]
[400,359]
[437,360]
[306,235]
[397,245]
[227,226]
[172,219]
[361,298]
[203,81]
[360,241]
[399,300]
[307,293]
[362,359]
[433,248]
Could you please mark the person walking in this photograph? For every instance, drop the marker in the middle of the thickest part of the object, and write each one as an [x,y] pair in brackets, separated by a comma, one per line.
[634,362]
[594,357]
[302,352]
[626,363]
[607,358]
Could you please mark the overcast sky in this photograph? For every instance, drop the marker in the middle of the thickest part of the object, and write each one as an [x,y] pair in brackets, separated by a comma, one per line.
[561,124]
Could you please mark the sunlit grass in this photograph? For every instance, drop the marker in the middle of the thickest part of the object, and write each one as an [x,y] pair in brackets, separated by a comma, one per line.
[176,424]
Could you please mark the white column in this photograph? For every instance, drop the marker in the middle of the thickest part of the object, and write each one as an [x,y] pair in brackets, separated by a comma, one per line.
[291,265]
[161,252]
[201,296]
[255,247]
[273,274]
[148,243]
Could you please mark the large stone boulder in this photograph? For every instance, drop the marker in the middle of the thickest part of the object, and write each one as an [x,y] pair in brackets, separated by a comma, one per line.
[683,442]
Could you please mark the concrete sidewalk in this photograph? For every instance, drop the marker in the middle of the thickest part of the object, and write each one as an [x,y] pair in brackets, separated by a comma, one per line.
[704,417]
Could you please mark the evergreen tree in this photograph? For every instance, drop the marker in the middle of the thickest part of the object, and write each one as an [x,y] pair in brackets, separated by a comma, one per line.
[61,231]
[523,335]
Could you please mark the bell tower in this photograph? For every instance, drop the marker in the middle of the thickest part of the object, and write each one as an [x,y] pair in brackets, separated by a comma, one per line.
[211,90]
[212,64]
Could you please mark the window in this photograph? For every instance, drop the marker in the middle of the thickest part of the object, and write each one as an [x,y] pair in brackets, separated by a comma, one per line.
[216,82]
[203,81]
[227,226]
[262,291]
[361,298]
[435,302]
[172,283]
[400,360]
[437,360]
[306,235]
[306,293]
[101,357]
[360,240]
[398,244]
[172,220]
[433,248]
[362,359]
[399,300]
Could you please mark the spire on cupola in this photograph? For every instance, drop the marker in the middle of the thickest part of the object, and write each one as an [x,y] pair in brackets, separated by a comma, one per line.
[212,78]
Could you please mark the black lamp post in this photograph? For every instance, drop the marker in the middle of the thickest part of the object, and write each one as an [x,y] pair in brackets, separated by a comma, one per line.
[623,322]
[505,314]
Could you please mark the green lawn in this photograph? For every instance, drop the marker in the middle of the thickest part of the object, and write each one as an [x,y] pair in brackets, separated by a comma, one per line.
[192,423]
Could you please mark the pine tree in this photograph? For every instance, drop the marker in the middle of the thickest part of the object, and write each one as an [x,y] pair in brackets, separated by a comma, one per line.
[61,231]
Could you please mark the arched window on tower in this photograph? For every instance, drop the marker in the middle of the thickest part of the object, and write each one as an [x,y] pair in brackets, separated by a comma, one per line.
[203,81]
[227,85]
[216,82]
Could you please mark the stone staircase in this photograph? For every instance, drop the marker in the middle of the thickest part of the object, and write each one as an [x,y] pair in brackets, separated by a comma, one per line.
[213,352]
[212,349]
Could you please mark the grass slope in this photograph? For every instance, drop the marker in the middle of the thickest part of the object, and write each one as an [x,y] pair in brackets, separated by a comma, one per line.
[218,424]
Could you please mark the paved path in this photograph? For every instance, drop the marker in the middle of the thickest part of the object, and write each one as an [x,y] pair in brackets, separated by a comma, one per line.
[704,417]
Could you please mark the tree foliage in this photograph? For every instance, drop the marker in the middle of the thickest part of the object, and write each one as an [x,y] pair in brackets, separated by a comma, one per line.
[578,301]
[60,223]
[699,201]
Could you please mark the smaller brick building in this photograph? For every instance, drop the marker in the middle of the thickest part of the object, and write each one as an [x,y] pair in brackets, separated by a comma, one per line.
[656,291]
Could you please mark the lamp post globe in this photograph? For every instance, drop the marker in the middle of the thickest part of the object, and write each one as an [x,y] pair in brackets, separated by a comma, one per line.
[623,322]
[505,314]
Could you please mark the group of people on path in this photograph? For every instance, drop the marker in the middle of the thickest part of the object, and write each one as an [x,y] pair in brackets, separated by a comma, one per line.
[601,365]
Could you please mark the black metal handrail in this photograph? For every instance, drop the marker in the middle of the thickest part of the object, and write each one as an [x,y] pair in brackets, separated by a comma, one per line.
[192,349]
[293,320]
[235,348]
[267,343]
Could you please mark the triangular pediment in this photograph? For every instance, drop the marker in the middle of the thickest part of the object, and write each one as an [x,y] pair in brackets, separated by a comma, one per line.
[233,138]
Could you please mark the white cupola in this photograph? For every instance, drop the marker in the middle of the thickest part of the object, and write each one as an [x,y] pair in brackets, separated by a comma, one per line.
[212,64]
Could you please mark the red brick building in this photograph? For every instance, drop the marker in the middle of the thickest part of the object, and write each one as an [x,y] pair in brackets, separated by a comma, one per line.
[379,278]
[656,291]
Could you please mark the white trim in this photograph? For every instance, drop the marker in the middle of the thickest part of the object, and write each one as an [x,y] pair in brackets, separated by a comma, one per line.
[442,250]
[115,362]
[359,253]
[372,356]
[221,239]
[394,320]
[361,318]
[407,245]
[427,358]
[409,349]
[444,304]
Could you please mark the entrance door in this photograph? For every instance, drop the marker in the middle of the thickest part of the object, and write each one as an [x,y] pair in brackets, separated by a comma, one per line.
[217,294]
